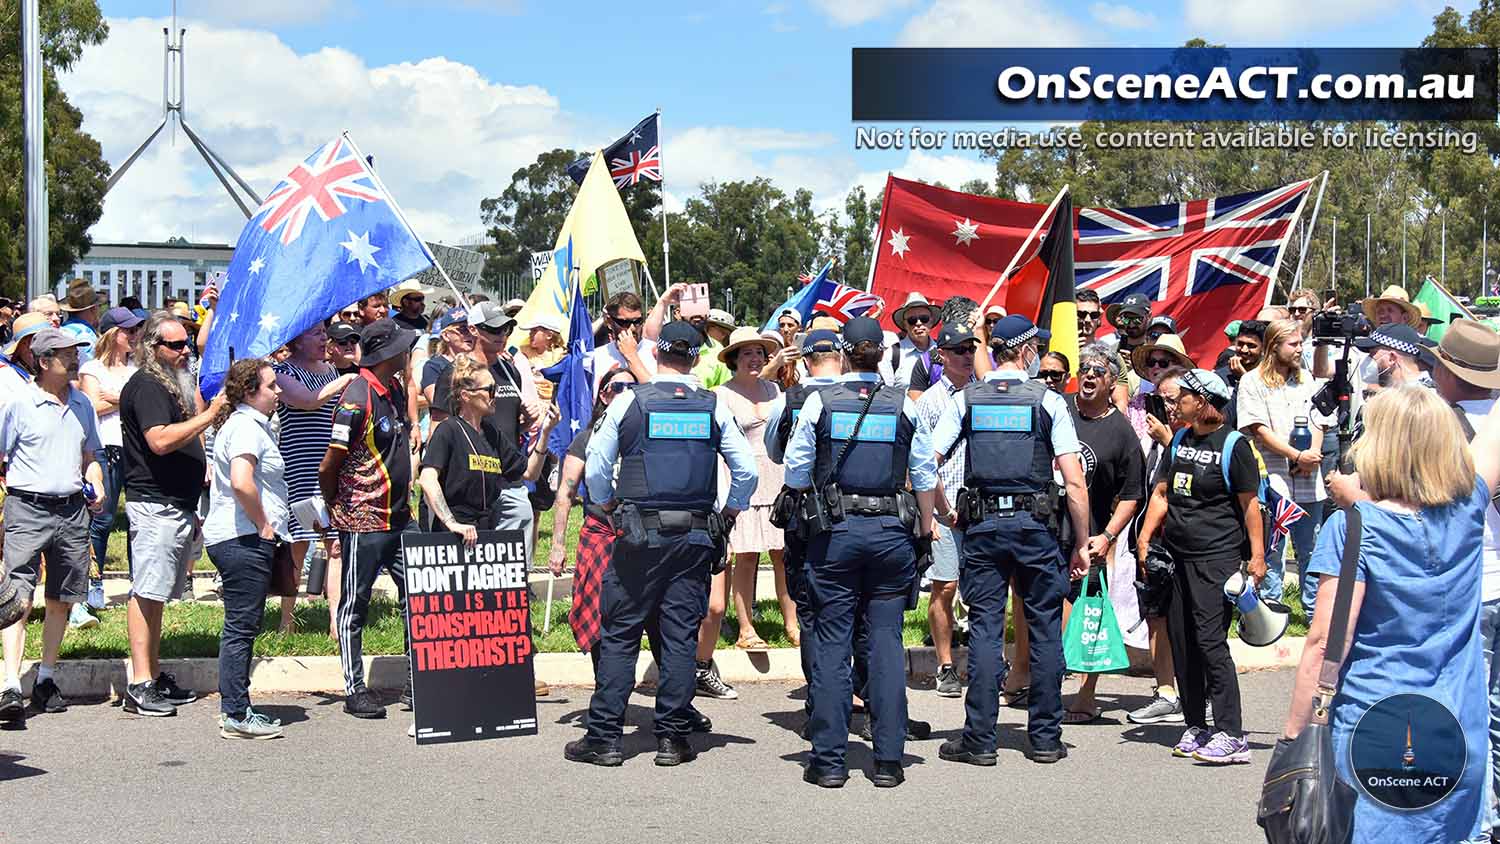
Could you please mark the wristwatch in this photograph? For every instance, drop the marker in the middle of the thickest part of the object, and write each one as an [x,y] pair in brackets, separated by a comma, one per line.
[1110,536]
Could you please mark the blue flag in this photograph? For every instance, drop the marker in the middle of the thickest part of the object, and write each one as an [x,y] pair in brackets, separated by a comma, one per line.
[803,301]
[575,392]
[328,235]
[634,157]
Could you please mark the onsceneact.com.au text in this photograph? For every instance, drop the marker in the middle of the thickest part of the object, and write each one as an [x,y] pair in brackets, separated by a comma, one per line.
[1018,83]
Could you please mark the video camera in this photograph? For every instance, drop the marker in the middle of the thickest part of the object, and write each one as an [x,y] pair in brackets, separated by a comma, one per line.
[1329,326]
[1333,399]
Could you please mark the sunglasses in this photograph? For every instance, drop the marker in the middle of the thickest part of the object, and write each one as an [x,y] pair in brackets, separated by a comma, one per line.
[487,389]
[1158,363]
[490,329]
[627,322]
[618,387]
[349,316]
[1052,374]
[347,341]
[1094,369]
[1298,309]
[415,299]
[1129,320]
[989,321]
[174,345]
[965,350]
[918,319]
[1091,316]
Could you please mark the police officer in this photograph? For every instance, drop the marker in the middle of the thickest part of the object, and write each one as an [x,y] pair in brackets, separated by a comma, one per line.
[665,435]
[823,354]
[1015,428]
[850,453]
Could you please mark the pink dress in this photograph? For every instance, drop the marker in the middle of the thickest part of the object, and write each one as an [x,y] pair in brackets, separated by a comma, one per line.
[753,531]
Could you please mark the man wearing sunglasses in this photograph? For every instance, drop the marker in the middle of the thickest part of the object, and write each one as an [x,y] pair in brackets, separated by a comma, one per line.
[1130,317]
[1090,313]
[909,364]
[623,321]
[411,301]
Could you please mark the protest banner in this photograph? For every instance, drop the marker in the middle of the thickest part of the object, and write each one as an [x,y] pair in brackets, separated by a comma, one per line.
[539,262]
[464,266]
[468,617]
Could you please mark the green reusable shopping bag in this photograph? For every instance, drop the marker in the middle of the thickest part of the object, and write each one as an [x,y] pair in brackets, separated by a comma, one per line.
[1092,643]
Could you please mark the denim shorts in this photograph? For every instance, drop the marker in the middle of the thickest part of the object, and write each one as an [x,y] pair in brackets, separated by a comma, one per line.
[947,550]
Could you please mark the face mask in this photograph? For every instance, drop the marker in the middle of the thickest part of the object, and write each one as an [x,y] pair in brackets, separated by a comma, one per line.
[1034,368]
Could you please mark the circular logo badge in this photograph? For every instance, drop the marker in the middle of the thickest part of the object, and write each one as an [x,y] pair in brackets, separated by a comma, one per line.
[1408,752]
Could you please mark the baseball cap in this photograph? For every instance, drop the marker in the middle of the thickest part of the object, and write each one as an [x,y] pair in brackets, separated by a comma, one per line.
[551,322]
[863,329]
[1163,321]
[952,336]
[1013,330]
[1135,303]
[829,340]
[119,318]
[489,315]
[340,331]
[382,340]
[1206,384]
[52,339]
[679,337]
[450,317]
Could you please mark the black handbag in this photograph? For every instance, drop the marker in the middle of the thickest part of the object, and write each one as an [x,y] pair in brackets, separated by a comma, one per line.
[1302,800]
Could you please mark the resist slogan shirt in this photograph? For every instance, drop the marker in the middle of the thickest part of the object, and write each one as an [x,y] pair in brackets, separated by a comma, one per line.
[375,481]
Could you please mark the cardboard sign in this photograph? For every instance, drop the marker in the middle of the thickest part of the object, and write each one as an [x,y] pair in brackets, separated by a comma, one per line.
[539,262]
[468,616]
[619,277]
[694,301]
[465,267]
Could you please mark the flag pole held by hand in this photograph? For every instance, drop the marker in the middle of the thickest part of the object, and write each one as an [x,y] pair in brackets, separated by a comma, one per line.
[1036,229]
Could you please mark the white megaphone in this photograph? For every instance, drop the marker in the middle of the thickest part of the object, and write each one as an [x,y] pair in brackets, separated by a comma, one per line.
[1261,622]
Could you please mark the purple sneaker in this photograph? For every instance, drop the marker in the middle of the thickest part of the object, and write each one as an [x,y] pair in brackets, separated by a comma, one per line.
[1224,749]
[1192,739]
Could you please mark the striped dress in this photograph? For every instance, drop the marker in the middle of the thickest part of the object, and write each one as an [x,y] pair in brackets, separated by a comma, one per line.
[304,438]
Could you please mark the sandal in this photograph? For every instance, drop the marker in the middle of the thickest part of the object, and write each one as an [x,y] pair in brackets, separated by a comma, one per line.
[1016,697]
[752,643]
[1078,716]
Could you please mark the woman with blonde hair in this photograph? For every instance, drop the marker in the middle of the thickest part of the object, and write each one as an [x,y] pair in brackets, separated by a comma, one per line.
[1414,614]
[101,379]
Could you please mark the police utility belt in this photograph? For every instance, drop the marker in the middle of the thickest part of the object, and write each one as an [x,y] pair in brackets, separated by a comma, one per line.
[816,511]
[973,508]
[632,523]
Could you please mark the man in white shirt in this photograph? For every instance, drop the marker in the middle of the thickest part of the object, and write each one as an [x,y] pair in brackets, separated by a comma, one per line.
[916,318]
[623,314]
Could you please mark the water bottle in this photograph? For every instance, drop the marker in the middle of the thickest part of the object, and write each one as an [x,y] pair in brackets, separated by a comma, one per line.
[317,570]
[89,493]
[1301,438]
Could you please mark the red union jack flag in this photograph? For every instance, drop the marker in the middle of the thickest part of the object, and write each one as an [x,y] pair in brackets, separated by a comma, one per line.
[318,184]
[1284,513]
[1204,262]
[636,166]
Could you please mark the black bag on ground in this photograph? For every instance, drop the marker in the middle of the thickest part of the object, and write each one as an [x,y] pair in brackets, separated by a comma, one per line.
[1302,800]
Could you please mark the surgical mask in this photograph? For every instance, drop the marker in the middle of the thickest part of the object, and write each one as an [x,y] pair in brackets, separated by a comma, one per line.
[1034,368]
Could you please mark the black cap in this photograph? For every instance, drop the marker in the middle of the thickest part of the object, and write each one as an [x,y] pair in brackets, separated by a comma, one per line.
[862,329]
[382,340]
[679,337]
[342,331]
[953,336]
[1135,303]
[1164,321]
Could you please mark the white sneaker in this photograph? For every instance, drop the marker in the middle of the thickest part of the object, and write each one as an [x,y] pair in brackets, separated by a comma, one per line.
[79,618]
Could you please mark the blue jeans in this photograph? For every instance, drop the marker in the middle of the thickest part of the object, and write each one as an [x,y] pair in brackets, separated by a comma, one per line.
[995,551]
[861,569]
[113,469]
[1489,634]
[1304,536]
[245,564]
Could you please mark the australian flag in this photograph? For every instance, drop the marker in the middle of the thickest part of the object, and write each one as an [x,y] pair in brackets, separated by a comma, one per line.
[821,296]
[574,395]
[327,235]
[634,157]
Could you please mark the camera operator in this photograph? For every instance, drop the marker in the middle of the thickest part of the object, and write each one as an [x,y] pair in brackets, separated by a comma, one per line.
[1391,307]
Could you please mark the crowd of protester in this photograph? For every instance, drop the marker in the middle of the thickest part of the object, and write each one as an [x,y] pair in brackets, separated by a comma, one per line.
[389,395]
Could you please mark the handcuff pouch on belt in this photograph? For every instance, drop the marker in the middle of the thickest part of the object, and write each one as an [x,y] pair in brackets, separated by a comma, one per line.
[818,511]
[631,529]
[784,508]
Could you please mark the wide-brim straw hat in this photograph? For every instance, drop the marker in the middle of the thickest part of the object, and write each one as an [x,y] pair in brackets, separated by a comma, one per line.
[747,336]
[1395,295]
[916,300]
[1169,343]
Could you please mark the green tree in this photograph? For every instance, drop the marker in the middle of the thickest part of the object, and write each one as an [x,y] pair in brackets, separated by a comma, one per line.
[75,166]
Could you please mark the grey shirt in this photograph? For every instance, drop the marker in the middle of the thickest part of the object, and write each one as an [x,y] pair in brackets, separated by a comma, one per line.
[44,440]
[246,433]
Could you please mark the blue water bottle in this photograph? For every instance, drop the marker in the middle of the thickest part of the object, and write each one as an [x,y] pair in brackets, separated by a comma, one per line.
[1301,438]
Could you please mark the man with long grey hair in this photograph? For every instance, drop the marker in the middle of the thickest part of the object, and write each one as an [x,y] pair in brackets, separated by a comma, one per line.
[162,421]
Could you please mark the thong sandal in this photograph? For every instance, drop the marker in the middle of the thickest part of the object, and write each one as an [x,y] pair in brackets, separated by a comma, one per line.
[1079,716]
[753,644]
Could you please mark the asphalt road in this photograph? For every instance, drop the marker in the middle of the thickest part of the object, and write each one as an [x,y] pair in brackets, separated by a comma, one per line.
[97,774]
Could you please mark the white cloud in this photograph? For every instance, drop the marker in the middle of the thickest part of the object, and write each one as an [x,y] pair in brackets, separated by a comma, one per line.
[1120,16]
[1274,20]
[855,12]
[442,135]
[990,23]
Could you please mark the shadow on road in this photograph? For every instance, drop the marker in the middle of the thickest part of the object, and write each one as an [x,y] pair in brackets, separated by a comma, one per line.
[12,769]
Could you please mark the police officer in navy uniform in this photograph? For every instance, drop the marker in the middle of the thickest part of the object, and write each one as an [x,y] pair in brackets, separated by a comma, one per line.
[850,454]
[1015,429]
[666,435]
[822,351]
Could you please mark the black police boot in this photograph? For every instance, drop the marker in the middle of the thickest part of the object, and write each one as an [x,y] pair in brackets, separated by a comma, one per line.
[825,779]
[887,775]
[955,750]
[698,722]
[671,752]
[594,753]
[915,730]
[1046,755]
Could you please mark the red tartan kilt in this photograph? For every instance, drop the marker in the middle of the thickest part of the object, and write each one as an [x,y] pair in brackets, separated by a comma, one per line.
[595,543]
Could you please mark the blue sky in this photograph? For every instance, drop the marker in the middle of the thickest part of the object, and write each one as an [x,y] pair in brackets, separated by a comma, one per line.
[455,94]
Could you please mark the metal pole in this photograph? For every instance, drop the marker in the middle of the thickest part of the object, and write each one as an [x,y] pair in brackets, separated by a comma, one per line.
[1307,234]
[1333,259]
[666,242]
[33,153]
[1443,260]
[1367,256]
[1484,248]
[1403,249]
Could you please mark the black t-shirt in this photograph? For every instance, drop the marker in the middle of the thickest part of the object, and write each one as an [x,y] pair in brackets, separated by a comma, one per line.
[417,323]
[506,417]
[175,478]
[1113,466]
[351,369]
[1204,520]
[580,446]
[1231,410]
[470,469]
[435,369]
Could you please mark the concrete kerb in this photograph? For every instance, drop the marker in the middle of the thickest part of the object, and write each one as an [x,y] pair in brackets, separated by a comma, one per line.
[106,677]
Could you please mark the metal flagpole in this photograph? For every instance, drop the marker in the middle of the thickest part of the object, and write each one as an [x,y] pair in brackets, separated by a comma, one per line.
[1484,248]
[35,166]
[1333,259]
[1443,261]
[1403,249]
[1367,256]
[666,242]
[1312,224]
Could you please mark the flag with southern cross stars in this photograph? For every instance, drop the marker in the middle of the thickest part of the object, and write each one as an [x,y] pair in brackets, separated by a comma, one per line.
[327,235]
[634,157]
[944,243]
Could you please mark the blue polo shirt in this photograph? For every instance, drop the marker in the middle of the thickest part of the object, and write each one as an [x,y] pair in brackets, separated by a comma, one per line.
[44,441]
